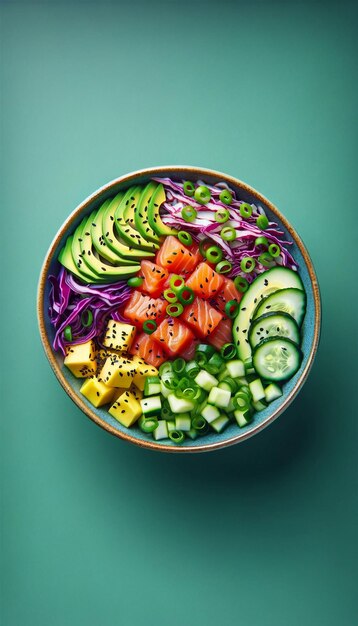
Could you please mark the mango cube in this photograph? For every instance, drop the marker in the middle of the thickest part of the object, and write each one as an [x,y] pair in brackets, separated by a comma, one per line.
[119,336]
[102,355]
[118,371]
[97,392]
[143,370]
[126,409]
[133,389]
[81,359]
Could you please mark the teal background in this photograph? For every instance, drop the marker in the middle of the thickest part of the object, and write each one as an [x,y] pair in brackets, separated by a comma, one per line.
[94,530]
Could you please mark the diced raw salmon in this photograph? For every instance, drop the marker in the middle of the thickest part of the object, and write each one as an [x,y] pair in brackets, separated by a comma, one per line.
[222,334]
[205,282]
[175,257]
[173,336]
[201,317]
[140,308]
[227,293]
[154,278]
[148,349]
[189,353]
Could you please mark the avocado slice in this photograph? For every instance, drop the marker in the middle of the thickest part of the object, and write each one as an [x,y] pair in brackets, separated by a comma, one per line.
[66,259]
[129,234]
[141,214]
[98,239]
[112,238]
[77,254]
[98,264]
[154,218]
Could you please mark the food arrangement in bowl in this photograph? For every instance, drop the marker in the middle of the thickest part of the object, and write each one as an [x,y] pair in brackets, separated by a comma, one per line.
[178,306]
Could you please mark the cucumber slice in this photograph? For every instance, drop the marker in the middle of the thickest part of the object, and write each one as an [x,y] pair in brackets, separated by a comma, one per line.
[265,284]
[205,380]
[210,413]
[179,405]
[257,390]
[272,392]
[242,417]
[161,431]
[220,423]
[151,406]
[273,325]
[183,422]
[152,386]
[277,359]
[291,301]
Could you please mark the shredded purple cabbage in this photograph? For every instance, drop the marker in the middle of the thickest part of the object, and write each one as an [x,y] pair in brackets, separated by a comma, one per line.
[69,299]
[205,226]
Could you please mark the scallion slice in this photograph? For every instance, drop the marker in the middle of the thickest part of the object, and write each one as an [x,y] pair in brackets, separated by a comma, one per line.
[262,222]
[175,309]
[214,254]
[228,351]
[176,436]
[185,238]
[224,267]
[222,216]
[170,296]
[247,264]
[87,318]
[176,282]
[245,210]
[241,284]
[266,260]
[186,295]
[147,424]
[274,249]
[232,308]
[189,188]
[228,233]
[188,213]
[179,366]
[67,333]
[149,326]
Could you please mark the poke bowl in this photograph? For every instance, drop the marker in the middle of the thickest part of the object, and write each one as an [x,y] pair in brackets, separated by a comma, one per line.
[179,309]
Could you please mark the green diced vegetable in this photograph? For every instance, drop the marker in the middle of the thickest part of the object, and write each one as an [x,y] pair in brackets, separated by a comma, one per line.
[180,405]
[177,436]
[220,423]
[151,406]
[257,390]
[242,417]
[272,392]
[210,413]
[235,368]
[183,421]
[219,397]
[152,386]
[161,432]
[206,380]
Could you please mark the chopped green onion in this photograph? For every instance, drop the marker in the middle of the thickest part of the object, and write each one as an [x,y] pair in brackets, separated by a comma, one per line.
[245,210]
[177,436]
[228,233]
[192,369]
[176,282]
[221,216]
[201,359]
[87,318]
[225,196]
[165,367]
[231,383]
[228,351]
[175,309]
[135,281]
[224,267]
[189,393]
[188,213]
[274,250]
[232,308]
[147,424]
[202,194]
[179,366]
[214,254]
[214,364]
[203,245]
[266,259]
[185,238]
[170,296]
[205,349]
[241,284]
[67,333]
[199,423]
[169,381]
[241,400]
[188,188]
[262,222]
[149,326]
[186,295]
[184,382]
[247,264]
[261,241]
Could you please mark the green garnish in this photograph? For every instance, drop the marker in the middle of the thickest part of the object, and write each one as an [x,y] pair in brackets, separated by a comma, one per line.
[245,210]
[247,264]
[224,267]
[185,238]
[214,254]
[221,216]
[188,213]
[262,222]
[149,326]
[228,233]
[202,194]
[188,188]
[225,196]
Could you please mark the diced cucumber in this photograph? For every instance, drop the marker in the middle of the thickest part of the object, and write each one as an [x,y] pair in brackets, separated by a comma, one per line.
[205,380]
[152,386]
[230,407]
[220,423]
[183,422]
[151,405]
[272,392]
[242,381]
[164,390]
[219,397]
[235,368]
[260,405]
[171,426]
[257,390]
[180,405]
[161,431]
[210,413]
[242,417]
[192,433]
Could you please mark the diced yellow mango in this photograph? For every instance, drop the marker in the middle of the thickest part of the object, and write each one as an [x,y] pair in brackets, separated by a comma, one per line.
[133,389]
[126,409]
[81,359]
[97,392]
[102,355]
[118,371]
[143,370]
[119,336]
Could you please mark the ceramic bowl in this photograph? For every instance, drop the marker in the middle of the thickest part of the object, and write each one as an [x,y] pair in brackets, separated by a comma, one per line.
[311,324]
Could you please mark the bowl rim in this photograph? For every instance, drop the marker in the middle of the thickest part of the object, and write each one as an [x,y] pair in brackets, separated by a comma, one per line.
[199,172]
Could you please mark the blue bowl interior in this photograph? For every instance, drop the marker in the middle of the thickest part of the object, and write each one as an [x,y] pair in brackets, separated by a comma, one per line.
[232,430]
